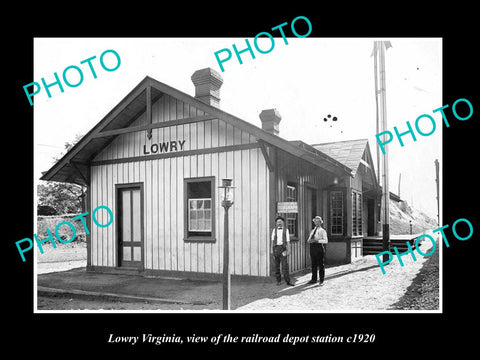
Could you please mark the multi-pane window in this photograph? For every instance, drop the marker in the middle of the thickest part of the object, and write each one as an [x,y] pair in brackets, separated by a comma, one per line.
[357,213]
[292,218]
[357,248]
[336,212]
[200,215]
[354,214]
[200,212]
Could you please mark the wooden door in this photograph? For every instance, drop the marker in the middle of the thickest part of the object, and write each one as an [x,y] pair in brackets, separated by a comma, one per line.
[130,232]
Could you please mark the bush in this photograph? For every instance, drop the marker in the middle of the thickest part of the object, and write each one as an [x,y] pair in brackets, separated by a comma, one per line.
[65,232]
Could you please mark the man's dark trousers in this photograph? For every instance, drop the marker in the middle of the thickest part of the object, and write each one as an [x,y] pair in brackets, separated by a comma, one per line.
[281,259]
[317,252]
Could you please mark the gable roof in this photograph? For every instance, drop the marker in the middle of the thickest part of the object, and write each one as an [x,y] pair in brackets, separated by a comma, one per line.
[74,165]
[351,153]
[75,162]
[348,152]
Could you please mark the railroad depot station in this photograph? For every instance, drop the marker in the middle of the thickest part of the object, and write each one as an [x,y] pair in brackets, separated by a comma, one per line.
[157,160]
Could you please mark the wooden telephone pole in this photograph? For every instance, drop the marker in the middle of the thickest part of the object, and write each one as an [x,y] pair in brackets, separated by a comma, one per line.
[379,48]
[437,169]
[399,182]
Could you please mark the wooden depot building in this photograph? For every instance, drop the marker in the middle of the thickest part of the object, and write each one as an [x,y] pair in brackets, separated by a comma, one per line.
[157,160]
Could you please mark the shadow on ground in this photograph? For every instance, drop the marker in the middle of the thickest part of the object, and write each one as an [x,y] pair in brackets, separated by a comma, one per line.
[176,293]
[243,295]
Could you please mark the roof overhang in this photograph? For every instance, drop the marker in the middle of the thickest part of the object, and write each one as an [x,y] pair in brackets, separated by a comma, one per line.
[73,167]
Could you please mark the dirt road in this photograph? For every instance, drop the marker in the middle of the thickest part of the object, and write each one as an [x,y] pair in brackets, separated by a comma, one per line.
[61,258]
[356,287]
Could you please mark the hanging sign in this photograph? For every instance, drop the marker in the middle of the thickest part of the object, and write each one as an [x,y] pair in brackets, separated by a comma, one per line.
[287,207]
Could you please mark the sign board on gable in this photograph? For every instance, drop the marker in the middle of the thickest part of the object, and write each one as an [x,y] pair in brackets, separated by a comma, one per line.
[287,207]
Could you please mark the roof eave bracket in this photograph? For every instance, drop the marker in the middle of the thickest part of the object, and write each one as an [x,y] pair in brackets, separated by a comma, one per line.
[269,162]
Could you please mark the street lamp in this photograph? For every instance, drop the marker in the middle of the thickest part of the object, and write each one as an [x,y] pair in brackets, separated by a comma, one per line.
[227,202]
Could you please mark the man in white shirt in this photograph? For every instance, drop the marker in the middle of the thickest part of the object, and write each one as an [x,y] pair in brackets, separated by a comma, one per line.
[280,250]
[317,239]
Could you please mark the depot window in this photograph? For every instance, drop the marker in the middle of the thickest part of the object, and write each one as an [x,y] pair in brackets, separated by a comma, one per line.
[199,209]
[292,218]
[357,213]
[336,212]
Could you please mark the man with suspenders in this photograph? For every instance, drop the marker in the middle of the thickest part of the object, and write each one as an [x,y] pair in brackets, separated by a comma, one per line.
[280,250]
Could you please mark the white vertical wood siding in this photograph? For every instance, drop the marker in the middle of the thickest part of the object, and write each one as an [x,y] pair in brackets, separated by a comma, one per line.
[164,247]
[301,174]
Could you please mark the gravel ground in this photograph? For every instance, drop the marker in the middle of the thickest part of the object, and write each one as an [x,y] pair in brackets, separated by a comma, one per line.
[423,293]
[361,286]
[66,303]
[356,287]
[61,258]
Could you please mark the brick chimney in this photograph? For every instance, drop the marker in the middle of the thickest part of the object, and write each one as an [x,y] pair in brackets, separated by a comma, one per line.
[270,120]
[207,86]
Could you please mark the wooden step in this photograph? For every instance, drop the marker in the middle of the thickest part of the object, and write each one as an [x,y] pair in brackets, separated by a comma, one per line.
[372,246]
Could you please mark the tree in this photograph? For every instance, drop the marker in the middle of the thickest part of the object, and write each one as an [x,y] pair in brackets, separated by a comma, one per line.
[46,210]
[63,197]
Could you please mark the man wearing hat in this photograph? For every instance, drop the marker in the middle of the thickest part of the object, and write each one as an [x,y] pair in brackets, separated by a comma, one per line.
[280,250]
[317,239]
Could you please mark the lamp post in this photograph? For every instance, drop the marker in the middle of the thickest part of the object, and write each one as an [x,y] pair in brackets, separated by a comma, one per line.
[227,202]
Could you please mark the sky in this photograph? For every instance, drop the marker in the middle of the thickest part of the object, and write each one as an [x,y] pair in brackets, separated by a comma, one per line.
[305,80]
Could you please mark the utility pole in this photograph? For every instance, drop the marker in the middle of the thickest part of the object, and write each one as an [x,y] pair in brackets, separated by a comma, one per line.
[437,170]
[375,70]
[380,96]
[399,181]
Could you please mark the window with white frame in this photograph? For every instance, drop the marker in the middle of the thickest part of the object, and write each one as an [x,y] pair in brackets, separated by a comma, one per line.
[200,209]
[357,248]
[200,215]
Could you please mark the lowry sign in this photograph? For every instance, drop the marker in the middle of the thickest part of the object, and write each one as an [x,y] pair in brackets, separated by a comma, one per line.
[163,147]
